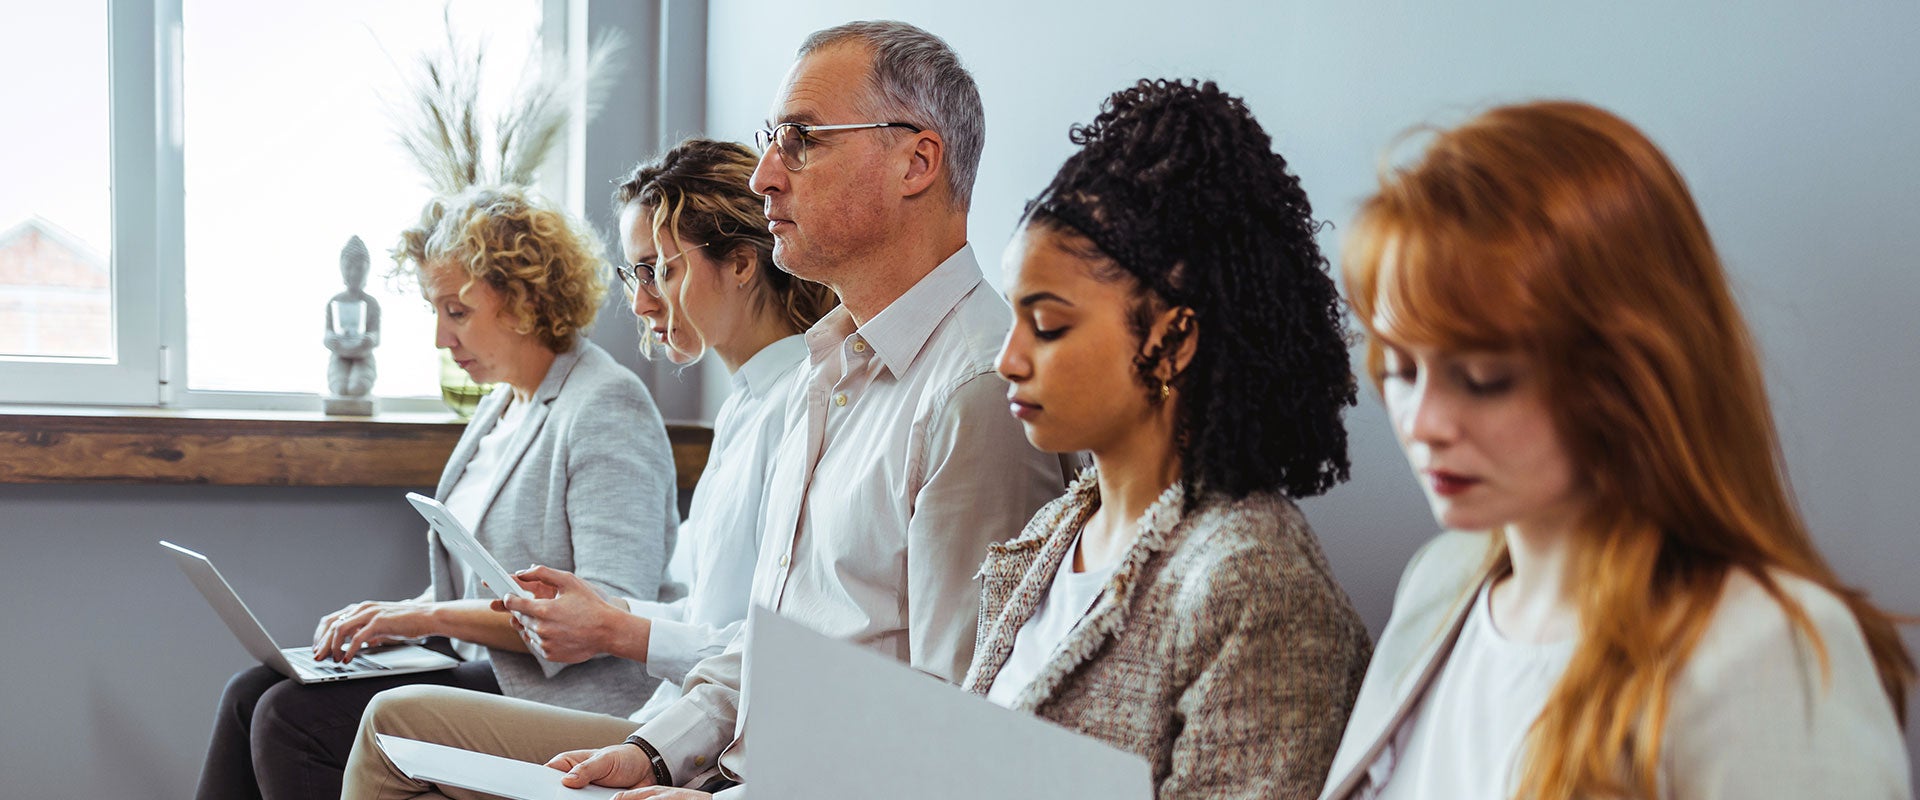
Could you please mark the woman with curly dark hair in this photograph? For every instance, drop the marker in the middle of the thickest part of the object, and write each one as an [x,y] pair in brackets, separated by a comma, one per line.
[1174,318]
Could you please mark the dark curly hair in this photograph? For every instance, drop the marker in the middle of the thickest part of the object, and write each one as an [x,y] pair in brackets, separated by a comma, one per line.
[1177,186]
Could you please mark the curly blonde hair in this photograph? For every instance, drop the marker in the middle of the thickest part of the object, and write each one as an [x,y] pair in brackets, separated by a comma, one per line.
[545,265]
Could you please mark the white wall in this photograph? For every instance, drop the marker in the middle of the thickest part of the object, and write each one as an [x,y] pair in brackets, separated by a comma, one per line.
[1794,122]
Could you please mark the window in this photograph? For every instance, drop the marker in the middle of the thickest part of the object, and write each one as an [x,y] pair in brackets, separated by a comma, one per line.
[55,204]
[289,151]
[72,326]
[180,177]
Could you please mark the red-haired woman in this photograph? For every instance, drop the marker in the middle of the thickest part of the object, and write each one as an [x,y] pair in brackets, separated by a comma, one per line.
[1627,603]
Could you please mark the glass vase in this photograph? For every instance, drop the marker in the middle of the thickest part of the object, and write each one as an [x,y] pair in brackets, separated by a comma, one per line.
[457,390]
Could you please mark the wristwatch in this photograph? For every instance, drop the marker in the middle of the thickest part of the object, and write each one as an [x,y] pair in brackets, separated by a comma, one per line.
[661,775]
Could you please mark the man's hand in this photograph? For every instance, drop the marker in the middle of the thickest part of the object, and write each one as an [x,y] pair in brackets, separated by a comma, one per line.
[621,766]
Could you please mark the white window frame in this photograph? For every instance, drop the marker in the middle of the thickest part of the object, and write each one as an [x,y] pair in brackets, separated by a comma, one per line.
[151,359]
[133,374]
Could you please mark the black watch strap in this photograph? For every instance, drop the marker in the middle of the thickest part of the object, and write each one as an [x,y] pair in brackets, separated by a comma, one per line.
[661,775]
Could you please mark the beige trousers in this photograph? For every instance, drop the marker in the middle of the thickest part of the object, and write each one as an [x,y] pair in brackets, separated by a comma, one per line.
[488,723]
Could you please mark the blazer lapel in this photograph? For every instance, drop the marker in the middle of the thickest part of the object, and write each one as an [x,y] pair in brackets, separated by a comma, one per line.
[1010,581]
[537,407]
[439,572]
[484,418]
[1108,618]
[1377,728]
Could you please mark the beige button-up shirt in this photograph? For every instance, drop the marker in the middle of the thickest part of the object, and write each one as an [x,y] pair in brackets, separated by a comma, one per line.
[901,468]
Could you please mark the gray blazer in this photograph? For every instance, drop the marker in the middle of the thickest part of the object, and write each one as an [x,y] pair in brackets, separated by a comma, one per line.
[1222,650]
[587,486]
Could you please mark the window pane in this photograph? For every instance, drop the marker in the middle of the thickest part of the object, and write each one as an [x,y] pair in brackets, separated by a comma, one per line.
[56,220]
[289,151]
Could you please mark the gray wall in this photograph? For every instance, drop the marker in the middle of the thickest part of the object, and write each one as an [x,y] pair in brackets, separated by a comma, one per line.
[113,663]
[1794,122]
[660,98]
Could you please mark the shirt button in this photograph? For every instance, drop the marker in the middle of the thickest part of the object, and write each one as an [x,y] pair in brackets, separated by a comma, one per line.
[840,399]
[783,560]
[859,346]
[699,761]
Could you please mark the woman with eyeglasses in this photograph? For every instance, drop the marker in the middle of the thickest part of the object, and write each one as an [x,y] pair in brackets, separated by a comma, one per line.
[1627,603]
[1174,317]
[567,464]
[701,277]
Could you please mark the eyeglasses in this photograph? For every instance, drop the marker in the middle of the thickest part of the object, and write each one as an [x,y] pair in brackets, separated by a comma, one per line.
[642,275]
[792,138]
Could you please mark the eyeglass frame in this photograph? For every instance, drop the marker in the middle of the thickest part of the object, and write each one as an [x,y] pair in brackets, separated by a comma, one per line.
[769,138]
[629,274]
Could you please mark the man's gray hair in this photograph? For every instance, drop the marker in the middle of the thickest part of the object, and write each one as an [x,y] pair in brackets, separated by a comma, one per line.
[918,78]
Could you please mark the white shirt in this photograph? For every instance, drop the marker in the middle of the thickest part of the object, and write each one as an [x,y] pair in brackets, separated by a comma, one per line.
[467,501]
[1068,600]
[1465,740]
[721,535]
[899,468]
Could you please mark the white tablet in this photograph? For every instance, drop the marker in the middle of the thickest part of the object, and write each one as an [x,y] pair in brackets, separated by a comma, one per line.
[459,540]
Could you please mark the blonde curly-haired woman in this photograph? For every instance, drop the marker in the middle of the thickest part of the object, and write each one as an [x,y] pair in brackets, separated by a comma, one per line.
[565,464]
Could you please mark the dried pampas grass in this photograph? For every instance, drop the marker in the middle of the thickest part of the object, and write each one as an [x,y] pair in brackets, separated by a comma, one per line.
[441,125]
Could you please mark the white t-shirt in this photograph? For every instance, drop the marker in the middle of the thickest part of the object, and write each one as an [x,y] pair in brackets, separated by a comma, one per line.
[467,501]
[1068,600]
[1464,740]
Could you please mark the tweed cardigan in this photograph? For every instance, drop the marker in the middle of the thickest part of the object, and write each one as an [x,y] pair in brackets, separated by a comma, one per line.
[1222,650]
[586,485]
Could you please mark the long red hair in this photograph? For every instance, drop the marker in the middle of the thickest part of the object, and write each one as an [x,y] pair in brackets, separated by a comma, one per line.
[1558,230]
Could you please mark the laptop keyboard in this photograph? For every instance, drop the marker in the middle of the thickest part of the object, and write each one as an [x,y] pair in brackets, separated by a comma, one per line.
[355,667]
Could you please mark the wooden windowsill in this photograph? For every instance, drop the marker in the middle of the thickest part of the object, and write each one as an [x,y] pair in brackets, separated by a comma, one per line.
[46,444]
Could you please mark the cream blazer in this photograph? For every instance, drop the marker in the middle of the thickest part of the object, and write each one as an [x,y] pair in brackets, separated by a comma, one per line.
[1751,715]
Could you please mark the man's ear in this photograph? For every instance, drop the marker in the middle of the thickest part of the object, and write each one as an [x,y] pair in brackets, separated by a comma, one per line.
[924,163]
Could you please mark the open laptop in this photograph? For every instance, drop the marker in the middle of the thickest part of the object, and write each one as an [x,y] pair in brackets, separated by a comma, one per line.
[296,662]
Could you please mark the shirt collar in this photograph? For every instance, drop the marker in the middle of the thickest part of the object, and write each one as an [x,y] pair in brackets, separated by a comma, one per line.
[769,364]
[826,335]
[900,331]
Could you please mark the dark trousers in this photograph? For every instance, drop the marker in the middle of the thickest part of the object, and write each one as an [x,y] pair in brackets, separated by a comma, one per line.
[274,738]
